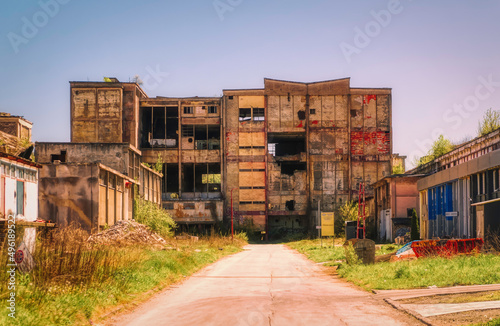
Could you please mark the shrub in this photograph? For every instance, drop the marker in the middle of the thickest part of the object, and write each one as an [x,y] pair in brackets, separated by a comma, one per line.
[154,217]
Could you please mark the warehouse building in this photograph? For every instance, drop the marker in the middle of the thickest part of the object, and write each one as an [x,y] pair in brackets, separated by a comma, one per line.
[271,155]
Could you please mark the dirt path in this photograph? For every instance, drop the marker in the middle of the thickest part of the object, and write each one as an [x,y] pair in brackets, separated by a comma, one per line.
[264,285]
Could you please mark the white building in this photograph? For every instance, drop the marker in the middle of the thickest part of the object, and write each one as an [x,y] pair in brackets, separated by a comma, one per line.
[18,187]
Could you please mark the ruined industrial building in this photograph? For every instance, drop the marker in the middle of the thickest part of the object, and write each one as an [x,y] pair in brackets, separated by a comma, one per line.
[272,155]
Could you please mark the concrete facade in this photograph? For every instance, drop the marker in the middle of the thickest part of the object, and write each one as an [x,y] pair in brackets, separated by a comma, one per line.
[92,184]
[293,145]
[90,195]
[274,153]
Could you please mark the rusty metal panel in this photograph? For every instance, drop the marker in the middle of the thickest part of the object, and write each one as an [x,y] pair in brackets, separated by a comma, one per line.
[341,111]
[109,103]
[84,131]
[251,101]
[370,111]
[84,100]
[383,112]
[356,113]
[328,111]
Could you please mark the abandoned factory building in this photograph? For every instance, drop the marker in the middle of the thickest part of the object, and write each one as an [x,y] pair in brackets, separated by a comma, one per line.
[271,154]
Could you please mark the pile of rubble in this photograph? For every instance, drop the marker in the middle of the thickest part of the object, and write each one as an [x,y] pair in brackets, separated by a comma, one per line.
[127,232]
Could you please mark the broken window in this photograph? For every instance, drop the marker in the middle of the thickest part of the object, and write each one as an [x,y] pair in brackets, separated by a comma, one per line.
[212,109]
[187,130]
[201,178]
[170,179]
[61,157]
[286,144]
[255,114]
[289,168]
[204,136]
[312,111]
[301,115]
[159,127]
[290,205]
[188,110]
[245,114]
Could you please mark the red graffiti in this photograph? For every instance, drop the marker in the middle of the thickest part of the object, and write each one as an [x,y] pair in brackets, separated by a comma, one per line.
[300,125]
[315,122]
[368,98]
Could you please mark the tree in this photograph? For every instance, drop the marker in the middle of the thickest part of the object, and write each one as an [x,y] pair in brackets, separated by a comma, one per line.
[440,147]
[415,230]
[491,122]
[346,212]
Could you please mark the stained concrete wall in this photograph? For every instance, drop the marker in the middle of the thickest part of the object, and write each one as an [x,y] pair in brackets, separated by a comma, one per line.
[348,141]
[76,193]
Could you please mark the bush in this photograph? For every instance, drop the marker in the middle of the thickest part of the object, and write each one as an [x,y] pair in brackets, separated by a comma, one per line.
[154,217]
[346,212]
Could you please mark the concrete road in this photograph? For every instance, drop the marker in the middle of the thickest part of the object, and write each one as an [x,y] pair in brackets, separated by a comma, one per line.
[264,285]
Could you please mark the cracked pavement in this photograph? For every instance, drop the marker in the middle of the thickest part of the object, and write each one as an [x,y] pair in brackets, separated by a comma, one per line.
[264,285]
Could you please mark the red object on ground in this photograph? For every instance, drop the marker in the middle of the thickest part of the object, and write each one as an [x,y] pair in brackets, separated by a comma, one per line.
[447,248]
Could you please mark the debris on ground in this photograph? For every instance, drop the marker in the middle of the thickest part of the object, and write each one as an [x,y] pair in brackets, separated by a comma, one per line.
[127,232]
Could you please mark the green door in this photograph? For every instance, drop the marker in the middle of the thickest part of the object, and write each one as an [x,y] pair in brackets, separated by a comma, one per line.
[20,197]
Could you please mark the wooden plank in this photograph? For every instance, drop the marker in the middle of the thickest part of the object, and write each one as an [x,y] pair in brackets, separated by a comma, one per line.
[252,195]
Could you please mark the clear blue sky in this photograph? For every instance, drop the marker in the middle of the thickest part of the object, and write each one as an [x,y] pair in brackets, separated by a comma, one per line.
[430,53]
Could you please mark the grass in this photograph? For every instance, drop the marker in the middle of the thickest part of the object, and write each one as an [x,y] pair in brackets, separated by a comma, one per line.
[328,253]
[75,283]
[424,272]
